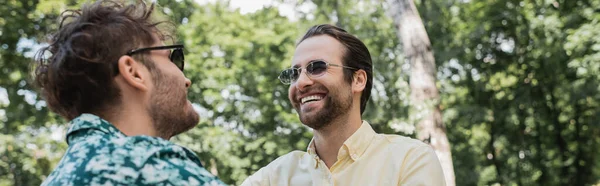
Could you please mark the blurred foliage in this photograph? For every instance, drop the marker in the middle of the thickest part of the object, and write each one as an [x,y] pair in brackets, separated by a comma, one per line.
[520,88]
[519,80]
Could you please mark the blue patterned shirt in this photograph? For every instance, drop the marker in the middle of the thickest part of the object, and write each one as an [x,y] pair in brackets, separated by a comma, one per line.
[100,154]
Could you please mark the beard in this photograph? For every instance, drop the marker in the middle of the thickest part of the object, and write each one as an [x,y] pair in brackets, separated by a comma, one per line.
[168,105]
[334,106]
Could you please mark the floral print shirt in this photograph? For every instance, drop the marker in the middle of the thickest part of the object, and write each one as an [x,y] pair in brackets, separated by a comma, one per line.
[100,154]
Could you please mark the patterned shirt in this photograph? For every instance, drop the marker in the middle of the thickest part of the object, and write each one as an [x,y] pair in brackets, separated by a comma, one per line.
[100,154]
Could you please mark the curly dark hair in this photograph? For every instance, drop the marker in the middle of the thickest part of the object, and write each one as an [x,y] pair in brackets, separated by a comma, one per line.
[356,55]
[78,75]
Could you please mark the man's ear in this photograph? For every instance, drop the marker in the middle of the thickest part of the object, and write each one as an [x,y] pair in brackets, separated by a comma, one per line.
[359,81]
[134,73]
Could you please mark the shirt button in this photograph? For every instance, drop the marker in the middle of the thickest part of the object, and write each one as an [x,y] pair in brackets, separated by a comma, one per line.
[354,156]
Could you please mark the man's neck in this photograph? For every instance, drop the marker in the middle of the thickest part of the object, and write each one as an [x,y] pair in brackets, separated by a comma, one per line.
[330,139]
[133,122]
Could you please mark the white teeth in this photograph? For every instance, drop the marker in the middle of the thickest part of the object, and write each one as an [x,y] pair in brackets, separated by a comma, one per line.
[311,98]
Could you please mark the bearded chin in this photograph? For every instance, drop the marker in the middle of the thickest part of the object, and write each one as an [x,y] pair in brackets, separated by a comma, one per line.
[331,110]
[168,117]
[169,122]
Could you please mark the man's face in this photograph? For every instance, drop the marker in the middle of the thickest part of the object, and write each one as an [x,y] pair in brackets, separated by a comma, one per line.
[320,100]
[172,113]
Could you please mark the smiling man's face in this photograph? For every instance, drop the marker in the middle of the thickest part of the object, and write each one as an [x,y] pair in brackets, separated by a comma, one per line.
[319,100]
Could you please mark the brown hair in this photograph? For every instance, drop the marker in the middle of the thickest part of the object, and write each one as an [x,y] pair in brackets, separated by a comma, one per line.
[78,75]
[356,55]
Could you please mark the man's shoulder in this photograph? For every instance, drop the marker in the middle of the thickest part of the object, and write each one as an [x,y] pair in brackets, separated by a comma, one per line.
[98,159]
[125,147]
[416,160]
[149,145]
[292,158]
[118,159]
[139,149]
[401,141]
[159,161]
[280,168]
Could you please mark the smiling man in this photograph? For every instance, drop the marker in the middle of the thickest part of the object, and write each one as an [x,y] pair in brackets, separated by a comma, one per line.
[108,71]
[330,83]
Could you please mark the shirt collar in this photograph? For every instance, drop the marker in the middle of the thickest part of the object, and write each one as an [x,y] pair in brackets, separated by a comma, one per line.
[93,122]
[311,147]
[355,146]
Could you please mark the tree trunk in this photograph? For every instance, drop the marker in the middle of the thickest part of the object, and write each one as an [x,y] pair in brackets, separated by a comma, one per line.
[424,93]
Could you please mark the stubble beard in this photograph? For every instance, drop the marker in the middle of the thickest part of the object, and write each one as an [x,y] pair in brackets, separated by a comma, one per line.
[332,109]
[167,108]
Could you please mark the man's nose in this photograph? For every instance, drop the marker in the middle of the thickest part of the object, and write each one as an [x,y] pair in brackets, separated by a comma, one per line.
[188,83]
[303,81]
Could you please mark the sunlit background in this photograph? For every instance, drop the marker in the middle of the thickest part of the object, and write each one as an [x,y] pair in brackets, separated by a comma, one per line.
[519,84]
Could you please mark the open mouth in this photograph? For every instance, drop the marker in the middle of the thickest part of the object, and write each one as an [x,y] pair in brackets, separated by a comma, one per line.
[311,98]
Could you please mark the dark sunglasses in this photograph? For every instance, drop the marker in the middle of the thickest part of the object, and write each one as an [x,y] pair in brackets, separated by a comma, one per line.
[314,69]
[176,55]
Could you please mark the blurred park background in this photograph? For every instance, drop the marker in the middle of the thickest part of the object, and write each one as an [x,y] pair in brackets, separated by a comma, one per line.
[518,82]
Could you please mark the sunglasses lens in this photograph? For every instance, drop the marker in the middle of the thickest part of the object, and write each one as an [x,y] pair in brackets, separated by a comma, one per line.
[288,75]
[316,68]
[177,58]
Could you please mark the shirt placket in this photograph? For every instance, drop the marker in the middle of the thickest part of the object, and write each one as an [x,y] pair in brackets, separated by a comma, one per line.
[326,176]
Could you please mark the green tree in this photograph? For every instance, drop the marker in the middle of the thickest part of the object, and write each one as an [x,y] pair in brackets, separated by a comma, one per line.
[27,150]
[520,104]
[424,94]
